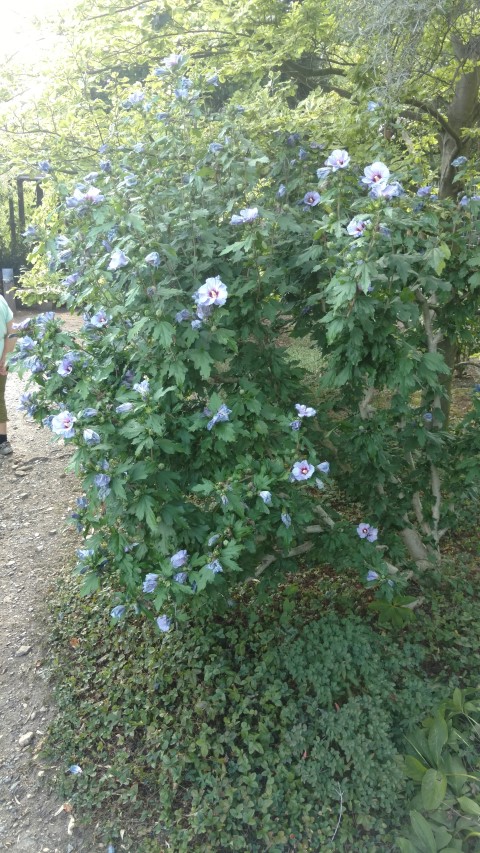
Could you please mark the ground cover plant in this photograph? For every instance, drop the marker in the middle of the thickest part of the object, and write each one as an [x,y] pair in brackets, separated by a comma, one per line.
[443,759]
[264,727]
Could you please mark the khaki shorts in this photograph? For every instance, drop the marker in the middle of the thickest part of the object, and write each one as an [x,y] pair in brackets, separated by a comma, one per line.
[3,408]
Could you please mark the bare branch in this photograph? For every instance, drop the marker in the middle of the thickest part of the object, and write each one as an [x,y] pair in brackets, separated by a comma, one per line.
[436,486]
[432,111]
[365,409]
[418,509]
[415,547]
[325,516]
[120,10]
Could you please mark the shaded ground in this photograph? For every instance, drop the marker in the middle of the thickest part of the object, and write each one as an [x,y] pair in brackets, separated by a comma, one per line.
[36,544]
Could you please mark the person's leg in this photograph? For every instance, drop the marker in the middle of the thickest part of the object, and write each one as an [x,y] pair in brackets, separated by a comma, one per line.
[3,408]
[5,448]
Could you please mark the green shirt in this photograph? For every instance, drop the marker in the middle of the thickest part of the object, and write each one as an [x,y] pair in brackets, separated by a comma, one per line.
[5,317]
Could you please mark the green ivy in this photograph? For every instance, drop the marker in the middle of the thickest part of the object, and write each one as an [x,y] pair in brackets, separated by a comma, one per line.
[240,732]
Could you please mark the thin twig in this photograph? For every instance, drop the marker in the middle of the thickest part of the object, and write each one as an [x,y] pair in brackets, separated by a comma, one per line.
[437,494]
[340,813]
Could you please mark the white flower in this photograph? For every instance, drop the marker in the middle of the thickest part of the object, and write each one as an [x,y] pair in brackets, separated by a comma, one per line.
[305,411]
[248,214]
[213,292]
[357,226]
[302,470]
[338,159]
[376,173]
[164,623]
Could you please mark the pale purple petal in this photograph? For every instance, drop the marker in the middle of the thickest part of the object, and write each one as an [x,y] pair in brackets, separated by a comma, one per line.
[338,159]
[150,583]
[376,173]
[302,470]
[305,411]
[164,623]
[179,559]
[213,292]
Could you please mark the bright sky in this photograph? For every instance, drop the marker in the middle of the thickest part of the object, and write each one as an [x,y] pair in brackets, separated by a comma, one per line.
[17,29]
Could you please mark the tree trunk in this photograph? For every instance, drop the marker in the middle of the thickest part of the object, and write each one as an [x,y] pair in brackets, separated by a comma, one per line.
[450,351]
[462,113]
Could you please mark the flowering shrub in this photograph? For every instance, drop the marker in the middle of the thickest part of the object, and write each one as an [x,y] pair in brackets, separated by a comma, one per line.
[193,430]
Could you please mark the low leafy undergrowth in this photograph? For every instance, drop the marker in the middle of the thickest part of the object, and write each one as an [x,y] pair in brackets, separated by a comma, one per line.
[276,730]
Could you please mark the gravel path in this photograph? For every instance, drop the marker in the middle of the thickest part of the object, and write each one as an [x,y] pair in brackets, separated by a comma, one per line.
[36,544]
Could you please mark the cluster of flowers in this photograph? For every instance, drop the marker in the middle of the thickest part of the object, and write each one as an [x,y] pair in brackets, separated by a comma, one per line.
[177,561]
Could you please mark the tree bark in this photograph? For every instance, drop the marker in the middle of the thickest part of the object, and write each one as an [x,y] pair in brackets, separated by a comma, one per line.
[462,113]
[450,351]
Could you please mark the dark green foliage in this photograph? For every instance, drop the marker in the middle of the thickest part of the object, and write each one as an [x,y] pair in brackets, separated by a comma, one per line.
[242,733]
[442,760]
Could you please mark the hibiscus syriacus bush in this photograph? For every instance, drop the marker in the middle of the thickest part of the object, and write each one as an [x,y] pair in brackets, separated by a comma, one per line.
[199,443]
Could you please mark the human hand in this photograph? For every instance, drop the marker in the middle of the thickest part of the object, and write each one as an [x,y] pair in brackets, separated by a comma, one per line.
[3,369]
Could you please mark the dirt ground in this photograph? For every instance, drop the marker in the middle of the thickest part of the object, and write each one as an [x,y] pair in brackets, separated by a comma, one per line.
[36,544]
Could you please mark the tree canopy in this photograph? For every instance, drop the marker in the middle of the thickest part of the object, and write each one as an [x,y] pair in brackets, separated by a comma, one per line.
[308,61]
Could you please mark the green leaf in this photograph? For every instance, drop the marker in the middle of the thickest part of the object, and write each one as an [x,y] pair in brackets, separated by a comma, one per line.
[405,846]
[233,247]
[203,362]
[402,266]
[437,737]
[132,429]
[134,221]
[457,699]
[144,511]
[156,424]
[414,768]
[160,598]
[163,332]
[229,555]
[434,787]
[437,257]
[177,371]
[456,773]
[168,446]
[225,432]
[90,584]
[205,488]
[138,471]
[469,806]
[474,280]
[137,328]
[442,837]
[434,361]
[365,280]
[423,832]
